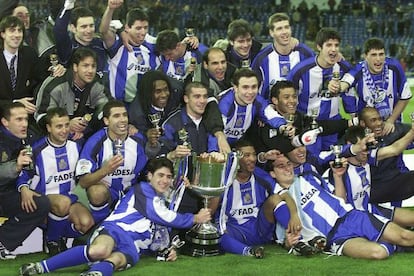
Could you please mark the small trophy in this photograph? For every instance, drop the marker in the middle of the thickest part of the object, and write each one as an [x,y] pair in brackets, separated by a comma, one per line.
[155,119]
[189,32]
[118,144]
[370,145]
[54,61]
[183,136]
[337,150]
[245,63]
[290,119]
[314,115]
[29,152]
[86,119]
[176,243]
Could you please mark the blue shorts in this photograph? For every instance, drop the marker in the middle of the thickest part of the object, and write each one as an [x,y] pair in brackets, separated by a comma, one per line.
[123,242]
[356,224]
[256,231]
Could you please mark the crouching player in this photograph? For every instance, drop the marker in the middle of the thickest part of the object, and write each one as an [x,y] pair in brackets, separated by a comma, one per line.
[137,225]
[53,174]
[249,208]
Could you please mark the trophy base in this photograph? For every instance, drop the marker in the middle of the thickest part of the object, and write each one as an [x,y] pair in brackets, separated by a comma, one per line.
[202,240]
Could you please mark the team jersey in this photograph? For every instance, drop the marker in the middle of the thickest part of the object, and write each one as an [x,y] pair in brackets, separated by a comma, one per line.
[311,81]
[142,216]
[318,209]
[126,68]
[243,201]
[54,168]
[100,148]
[270,66]
[357,182]
[382,90]
[238,118]
[177,69]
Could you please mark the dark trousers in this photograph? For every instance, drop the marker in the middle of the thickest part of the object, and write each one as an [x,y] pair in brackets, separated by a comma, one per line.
[20,224]
[399,188]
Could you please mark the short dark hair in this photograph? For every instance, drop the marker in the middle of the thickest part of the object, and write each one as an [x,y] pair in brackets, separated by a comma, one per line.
[212,49]
[194,84]
[353,133]
[167,40]
[276,17]
[364,111]
[109,105]
[6,109]
[10,22]
[279,85]
[55,111]
[239,27]
[81,53]
[241,143]
[325,34]
[373,43]
[78,13]
[134,15]
[243,72]
[158,163]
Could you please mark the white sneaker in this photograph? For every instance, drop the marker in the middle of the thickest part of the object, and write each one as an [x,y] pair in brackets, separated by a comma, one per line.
[69,4]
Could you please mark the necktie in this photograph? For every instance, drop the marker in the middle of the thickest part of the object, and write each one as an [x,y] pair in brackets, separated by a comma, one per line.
[13,72]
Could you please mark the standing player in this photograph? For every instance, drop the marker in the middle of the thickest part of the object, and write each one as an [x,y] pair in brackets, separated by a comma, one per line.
[126,68]
[311,77]
[55,160]
[380,82]
[275,61]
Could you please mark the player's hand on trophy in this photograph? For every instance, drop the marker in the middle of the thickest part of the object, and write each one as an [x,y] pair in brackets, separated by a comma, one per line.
[202,216]
[153,134]
[217,156]
[110,165]
[179,152]
[172,255]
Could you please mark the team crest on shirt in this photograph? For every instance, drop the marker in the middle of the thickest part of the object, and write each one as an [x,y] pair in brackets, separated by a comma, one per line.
[139,57]
[239,122]
[247,198]
[63,165]
[179,68]
[4,156]
[285,70]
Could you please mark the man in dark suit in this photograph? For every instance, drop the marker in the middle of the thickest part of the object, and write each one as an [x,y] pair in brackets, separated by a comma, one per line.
[24,65]
[20,68]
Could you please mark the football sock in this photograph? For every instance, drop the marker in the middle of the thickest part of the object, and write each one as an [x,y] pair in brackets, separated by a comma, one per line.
[390,248]
[230,244]
[55,224]
[99,213]
[105,267]
[74,256]
[281,214]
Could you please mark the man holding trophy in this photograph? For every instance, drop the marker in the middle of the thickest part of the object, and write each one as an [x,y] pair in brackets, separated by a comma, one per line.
[137,226]
[105,168]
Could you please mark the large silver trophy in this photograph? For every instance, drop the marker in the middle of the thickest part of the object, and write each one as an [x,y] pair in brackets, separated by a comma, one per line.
[210,179]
